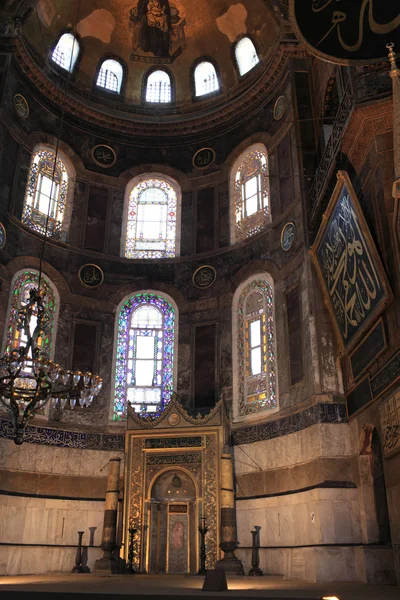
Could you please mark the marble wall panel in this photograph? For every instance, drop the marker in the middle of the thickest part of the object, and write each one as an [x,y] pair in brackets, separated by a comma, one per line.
[20,560]
[302,446]
[320,516]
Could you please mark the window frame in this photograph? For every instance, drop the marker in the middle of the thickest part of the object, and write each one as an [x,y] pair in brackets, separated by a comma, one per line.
[242,409]
[216,92]
[70,172]
[58,68]
[128,190]
[235,60]
[241,230]
[118,343]
[102,91]
[158,105]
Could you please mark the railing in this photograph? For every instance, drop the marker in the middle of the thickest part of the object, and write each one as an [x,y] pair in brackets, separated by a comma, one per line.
[328,160]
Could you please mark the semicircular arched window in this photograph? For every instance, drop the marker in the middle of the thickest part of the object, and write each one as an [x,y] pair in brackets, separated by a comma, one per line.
[254,352]
[151,222]
[246,55]
[46,194]
[158,87]
[66,52]
[110,76]
[22,285]
[144,370]
[250,192]
[205,79]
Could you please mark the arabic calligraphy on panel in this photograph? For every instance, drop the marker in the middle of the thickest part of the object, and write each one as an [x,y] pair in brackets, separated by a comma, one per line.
[340,16]
[348,269]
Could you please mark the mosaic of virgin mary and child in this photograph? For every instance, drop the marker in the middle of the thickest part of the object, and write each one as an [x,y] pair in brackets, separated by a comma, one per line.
[158,27]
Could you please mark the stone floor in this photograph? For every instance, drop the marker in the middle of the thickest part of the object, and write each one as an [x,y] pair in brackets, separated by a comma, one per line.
[71,586]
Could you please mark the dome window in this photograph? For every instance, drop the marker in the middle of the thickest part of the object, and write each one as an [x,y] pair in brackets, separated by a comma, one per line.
[66,52]
[205,79]
[158,87]
[246,55]
[110,76]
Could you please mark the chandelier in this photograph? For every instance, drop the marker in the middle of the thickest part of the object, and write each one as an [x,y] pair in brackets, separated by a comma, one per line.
[28,380]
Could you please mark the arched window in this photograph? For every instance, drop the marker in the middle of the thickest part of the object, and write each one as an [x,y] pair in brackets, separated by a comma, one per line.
[46,194]
[23,283]
[110,76]
[246,55]
[250,193]
[158,87]
[144,369]
[255,383]
[66,52]
[151,218]
[205,79]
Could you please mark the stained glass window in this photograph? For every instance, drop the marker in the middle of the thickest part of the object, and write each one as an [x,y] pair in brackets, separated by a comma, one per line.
[251,193]
[256,348]
[23,284]
[205,79]
[144,370]
[151,220]
[66,52]
[110,76]
[158,87]
[46,194]
[246,55]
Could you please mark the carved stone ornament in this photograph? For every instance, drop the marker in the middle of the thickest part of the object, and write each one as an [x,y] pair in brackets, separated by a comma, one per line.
[279,108]
[288,236]
[203,158]
[104,156]
[204,277]
[174,420]
[3,236]
[21,106]
[91,276]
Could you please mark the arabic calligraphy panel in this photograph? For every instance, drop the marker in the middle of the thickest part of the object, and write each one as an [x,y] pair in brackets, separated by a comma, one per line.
[352,31]
[352,276]
[91,276]
[390,425]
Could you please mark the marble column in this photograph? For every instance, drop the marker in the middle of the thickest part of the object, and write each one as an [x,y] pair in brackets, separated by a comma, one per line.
[228,544]
[108,563]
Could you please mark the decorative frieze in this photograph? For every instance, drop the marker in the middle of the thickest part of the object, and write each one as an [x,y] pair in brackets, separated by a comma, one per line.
[174,442]
[390,425]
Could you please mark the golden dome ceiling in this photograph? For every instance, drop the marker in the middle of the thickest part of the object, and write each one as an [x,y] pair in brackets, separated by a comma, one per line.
[194,29]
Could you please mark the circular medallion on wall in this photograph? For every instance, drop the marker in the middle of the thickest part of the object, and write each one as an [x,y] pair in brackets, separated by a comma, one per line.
[204,277]
[91,276]
[104,156]
[288,236]
[21,106]
[279,108]
[2,236]
[203,158]
[174,420]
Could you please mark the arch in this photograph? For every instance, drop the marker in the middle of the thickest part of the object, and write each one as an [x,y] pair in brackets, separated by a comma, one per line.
[249,193]
[152,217]
[255,380]
[49,193]
[158,86]
[22,282]
[110,75]
[246,55]
[166,470]
[66,52]
[146,335]
[205,78]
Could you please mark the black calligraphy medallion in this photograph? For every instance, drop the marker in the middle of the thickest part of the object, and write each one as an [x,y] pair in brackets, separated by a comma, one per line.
[3,236]
[279,108]
[21,106]
[203,158]
[347,31]
[354,282]
[288,236]
[91,276]
[104,156]
[204,277]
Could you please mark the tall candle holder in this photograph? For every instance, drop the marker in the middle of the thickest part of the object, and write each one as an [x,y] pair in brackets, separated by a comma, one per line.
[202,530]
[78,568]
